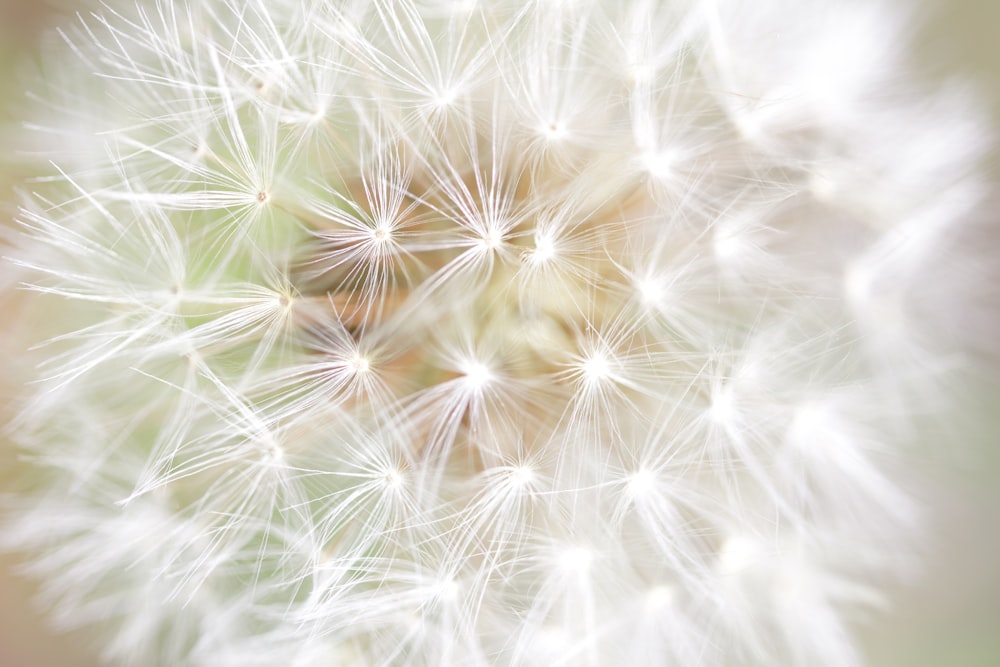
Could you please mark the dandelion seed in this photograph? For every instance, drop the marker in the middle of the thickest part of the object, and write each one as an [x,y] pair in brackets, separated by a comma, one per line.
[477,375]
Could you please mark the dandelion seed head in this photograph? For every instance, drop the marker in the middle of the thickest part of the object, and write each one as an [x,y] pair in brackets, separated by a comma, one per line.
[447,590]
[596,368]
[360,364]
[275,453]
[651,291]
[545,248]
[554,130]
[449,332]
[728,246]
[491,240]
[660,164]
[445,98]
[641,484]
[392,479]
[723,409]
[477,374]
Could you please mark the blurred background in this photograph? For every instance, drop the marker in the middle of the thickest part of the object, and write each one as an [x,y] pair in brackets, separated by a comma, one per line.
[950,618]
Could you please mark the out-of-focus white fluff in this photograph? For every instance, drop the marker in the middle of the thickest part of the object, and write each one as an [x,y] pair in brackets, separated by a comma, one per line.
[482,333]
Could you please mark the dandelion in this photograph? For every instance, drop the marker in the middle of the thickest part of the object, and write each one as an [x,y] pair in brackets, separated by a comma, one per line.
[480,333]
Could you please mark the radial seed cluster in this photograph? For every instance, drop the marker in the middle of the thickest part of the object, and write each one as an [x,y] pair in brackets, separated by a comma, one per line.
[557,332]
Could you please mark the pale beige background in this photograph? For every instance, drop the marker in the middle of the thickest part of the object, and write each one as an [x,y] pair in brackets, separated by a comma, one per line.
[951,620]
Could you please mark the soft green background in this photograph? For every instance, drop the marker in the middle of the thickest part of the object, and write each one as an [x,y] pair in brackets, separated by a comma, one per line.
[951,619]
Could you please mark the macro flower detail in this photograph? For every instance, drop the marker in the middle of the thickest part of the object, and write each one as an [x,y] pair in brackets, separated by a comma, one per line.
[399,332]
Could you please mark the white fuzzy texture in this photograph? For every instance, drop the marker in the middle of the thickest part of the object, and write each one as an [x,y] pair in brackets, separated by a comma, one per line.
[417,332]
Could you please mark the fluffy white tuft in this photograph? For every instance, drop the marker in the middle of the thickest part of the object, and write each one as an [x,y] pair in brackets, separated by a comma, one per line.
[406,332]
